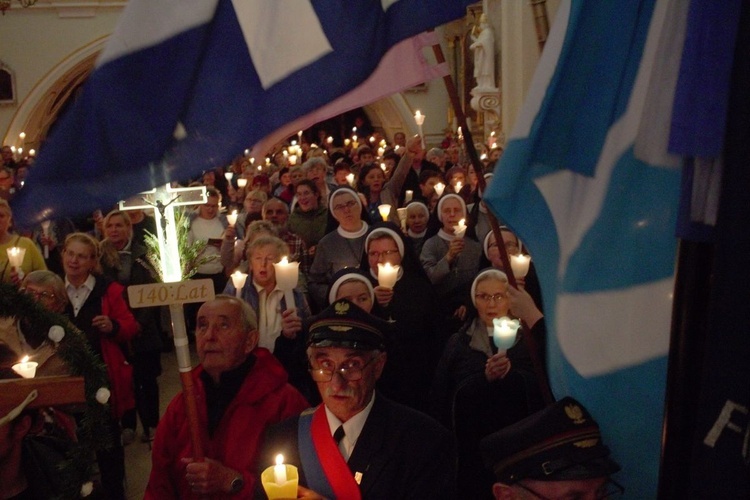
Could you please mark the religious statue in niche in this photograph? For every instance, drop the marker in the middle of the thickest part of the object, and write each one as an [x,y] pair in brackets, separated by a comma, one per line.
[483,45]
[7,85]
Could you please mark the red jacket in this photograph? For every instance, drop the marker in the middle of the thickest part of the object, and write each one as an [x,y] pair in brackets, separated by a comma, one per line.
[265,398]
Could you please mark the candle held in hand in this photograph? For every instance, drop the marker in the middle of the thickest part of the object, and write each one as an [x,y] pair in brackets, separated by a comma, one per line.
[385,211]
[439,188]
[387,275]
[279,470]
[460,229]
[232,218]
[238,280]
[504,333]
[520,265]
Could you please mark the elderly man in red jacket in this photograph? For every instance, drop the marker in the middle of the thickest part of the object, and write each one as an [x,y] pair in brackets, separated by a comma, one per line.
[241,389]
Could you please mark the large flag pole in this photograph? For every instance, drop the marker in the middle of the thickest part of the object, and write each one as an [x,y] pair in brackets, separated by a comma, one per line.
[531,343]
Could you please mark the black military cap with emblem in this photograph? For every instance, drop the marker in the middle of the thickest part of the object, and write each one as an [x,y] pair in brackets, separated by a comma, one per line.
[561,442]
[344,324]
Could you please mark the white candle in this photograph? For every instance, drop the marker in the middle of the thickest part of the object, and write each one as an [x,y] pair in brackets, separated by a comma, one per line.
[385,211]
[439,188]
[241,182]
[520,265]
[460,229]
[381,152]
[350,179]
[408,196]
[45,232]
[279,470]
[402,217]
[504,332]
[22,135]
[238,280]
[26,368]
[15,256]
[459,186]
[347,142]
[287,274]
[228,176]
[419,120]
[329,140]
[382,165]
[232,218]
[387,275]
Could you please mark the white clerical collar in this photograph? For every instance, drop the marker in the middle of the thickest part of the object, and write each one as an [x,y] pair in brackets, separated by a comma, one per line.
[353,235]
[416,235]
[446,235]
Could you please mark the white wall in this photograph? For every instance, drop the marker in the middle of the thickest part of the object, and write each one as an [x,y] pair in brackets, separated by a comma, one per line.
[34,41]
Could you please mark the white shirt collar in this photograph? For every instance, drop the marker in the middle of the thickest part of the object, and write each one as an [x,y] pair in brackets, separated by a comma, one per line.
[89,283]
[352,427]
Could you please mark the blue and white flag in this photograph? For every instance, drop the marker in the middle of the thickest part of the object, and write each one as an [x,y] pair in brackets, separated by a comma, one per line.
[186,85]
[587,183]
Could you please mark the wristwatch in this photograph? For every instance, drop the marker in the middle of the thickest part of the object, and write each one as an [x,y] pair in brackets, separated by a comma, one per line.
[236,485]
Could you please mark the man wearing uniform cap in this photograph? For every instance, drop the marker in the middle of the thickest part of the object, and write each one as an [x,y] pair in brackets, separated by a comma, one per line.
[359,444]
[555,453]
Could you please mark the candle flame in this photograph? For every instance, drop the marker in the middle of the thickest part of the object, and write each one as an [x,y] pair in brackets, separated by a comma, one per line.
[25,359]
[462,222]
[279,459]
[284,261]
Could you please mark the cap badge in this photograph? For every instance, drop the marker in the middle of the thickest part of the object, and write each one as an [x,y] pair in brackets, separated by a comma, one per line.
[341,307]
[575,413]
[338,328]
[586,443]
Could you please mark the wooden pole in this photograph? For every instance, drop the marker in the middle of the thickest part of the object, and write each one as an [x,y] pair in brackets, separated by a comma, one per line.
[531,344]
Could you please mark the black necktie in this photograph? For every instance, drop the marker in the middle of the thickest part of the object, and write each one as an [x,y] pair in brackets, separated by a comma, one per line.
[339,434]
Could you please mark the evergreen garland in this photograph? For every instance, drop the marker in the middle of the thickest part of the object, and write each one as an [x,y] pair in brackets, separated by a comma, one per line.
[74,349]
[190,253]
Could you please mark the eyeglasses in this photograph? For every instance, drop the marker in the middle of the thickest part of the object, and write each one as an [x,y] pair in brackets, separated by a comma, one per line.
[610,489]
[376,255]
[350,370]
[510,246]
[349,204]
[486,297]
[38,295]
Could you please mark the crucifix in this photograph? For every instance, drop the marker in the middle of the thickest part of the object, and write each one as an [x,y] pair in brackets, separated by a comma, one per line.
[173,291]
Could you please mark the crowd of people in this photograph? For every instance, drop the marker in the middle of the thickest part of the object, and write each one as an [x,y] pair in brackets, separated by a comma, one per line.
[402,379]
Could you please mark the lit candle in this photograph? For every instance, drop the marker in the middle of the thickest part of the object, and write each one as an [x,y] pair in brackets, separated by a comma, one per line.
[460,229]
[228,176]
[347,142]
[299,136]
[520,265]
[350,179]
[22,135]
[439,187]
[408,196]
[381,151]
[26,368]
[15,257]
[385,211]
[285,153]
[382,167]
[232,218]
[382,143]
[247,152]
[504,332]
[45,232]
[238,280]
[287,276]
[329,140]
[372,139]
[458,186]
[419,120]
[279,470]
[280,480]
[241,182]
[32,152]
[387,275]
[292,160]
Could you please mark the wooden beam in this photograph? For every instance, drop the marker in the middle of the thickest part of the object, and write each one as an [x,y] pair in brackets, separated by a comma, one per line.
[53,391]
